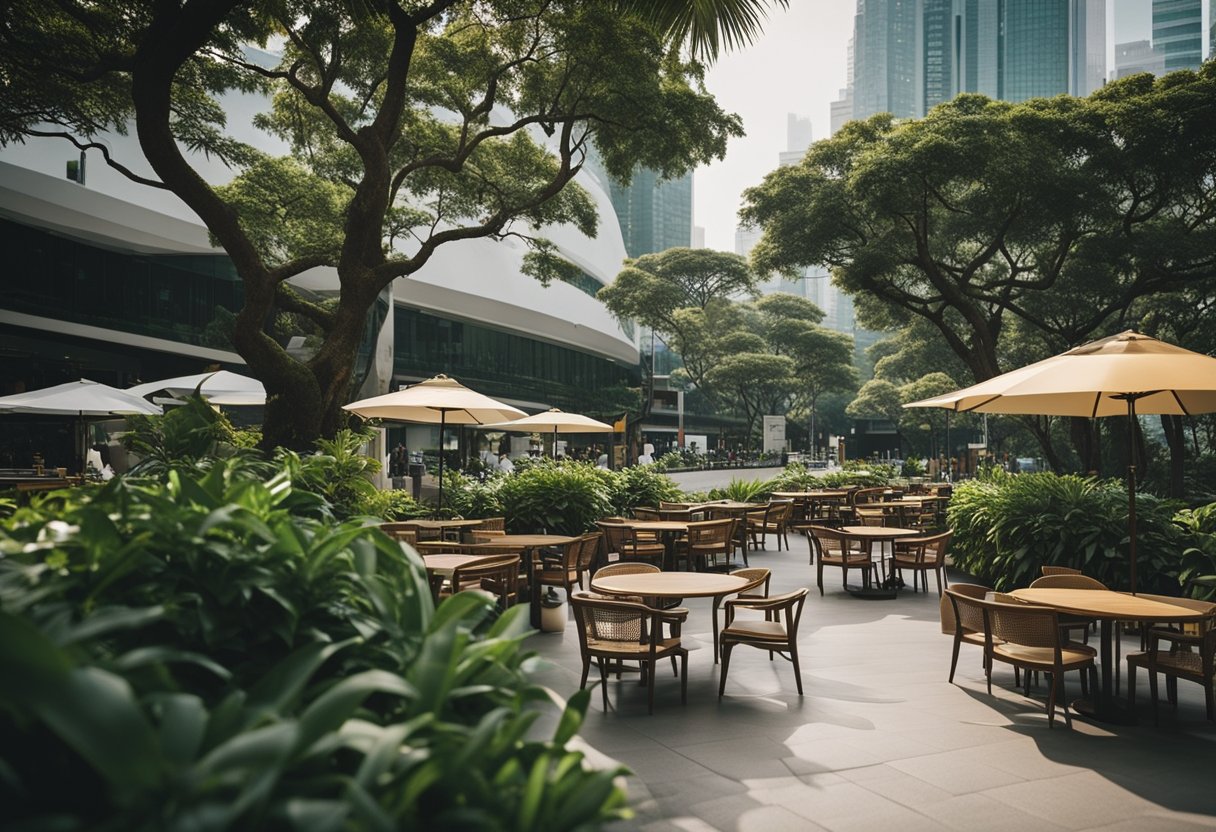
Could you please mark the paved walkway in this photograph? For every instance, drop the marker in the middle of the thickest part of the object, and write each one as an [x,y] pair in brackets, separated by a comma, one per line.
[880,740]
[719,477]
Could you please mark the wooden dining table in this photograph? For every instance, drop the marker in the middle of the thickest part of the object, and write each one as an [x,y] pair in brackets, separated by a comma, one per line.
[525,544]
[1108,607]
[440,526]
[713,585]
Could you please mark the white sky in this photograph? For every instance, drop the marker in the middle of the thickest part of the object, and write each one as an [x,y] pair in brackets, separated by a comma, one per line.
[798,66]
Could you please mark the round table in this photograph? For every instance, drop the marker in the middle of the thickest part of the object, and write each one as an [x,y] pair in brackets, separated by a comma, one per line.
[674,585]
[880,535]
[1108,607]
[448,563]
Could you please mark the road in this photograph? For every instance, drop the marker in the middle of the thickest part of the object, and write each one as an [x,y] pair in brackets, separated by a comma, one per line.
[719,477]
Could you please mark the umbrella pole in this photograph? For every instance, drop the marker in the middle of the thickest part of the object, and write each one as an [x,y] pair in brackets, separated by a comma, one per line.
[555,443]
[443,415]
[1131,489]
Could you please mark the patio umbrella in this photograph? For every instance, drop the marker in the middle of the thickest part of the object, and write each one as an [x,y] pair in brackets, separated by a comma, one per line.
[558,421]
[439,400]
[81,399]
[1128,373]
[218,387]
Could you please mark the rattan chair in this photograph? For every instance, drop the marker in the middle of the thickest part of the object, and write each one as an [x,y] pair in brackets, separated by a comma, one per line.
[775,520]
[566,569]
[771,634]
[833,547]
[1047,571]
[964,619]
[614,630]
[757,587]
[497,575]
[1028,637]
[626,545]
[922,555]
[1187,653]
[646,513]
[705,542]
[489,527]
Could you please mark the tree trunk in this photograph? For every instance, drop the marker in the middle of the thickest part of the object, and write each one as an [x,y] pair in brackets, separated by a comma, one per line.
[1083,432]
[1042,432]
[1175,438]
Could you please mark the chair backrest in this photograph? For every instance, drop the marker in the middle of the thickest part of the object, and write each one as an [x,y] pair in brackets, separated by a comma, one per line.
[958,606]
[830,542]
[646,513]
[1060,570]
[616,535]
[492,524]
[1023,624]
[589,547]
[498,574]
[779,511]
[401,532]
[1066,582]
[867,495]
[608,619]
[667,504]
[708,533]
[929,549]
[630,568]
[755,576]
[791,603]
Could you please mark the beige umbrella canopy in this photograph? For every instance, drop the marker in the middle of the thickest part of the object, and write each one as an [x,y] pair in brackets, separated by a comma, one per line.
[1124,374]
[557,421]
[439,400]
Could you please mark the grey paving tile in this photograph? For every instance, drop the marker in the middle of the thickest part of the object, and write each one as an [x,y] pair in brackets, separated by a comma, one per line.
[1077,801]
[971,812]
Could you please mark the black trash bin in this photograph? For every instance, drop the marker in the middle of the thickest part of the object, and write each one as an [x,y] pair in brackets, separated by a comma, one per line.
[417,469]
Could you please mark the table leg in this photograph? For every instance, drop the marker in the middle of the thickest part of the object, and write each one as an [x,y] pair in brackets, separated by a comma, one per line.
[1104,707]
[533,587]
[717,605]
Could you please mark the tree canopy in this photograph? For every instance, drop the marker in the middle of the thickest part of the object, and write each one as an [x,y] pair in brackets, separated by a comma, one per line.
[412,125]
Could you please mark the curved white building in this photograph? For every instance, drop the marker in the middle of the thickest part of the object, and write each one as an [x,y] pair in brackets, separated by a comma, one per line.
[117,281]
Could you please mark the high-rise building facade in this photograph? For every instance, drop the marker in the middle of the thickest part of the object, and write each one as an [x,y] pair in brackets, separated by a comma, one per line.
[886,71]
[654,214]
[842,107]
[1005,49]
[1137,56]
[1178,33]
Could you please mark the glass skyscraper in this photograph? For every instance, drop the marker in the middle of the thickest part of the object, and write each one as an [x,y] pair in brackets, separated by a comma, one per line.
[1178,33]
[654,214]
[1036,49]
[885,69]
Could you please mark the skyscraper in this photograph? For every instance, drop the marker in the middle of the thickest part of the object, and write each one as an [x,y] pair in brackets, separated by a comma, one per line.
[1137,56]
[885,66]
[1178,33]
[910,57]
[654,214]
[842,107]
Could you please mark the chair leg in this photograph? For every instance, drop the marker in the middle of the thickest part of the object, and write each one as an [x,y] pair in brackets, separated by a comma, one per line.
[1209,698]
[954,659]
[586,670]
[797,669]
[604,682]
[1051,699]
[717,606]
[674,670]
[726,648]
[819,577]
[1152,694]
[650,686]
[1131,686]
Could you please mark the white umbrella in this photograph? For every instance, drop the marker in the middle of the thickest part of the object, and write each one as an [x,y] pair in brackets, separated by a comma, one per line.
[557,421]
[1123,374]
[439,400]
[77,398]
[218,387]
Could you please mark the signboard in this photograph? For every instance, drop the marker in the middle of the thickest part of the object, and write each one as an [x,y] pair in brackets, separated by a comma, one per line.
[774,434]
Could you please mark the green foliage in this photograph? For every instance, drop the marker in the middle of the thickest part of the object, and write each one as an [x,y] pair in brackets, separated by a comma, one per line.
[560,498]
[394,504]
[212,652]
[339,471]
[641,485]
[1199,559]
[1007,526]
[467,497]
[183,436]
[912,468]
[745,491]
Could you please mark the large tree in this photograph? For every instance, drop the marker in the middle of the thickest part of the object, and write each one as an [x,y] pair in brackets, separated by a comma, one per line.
[1053,218]
[413,125]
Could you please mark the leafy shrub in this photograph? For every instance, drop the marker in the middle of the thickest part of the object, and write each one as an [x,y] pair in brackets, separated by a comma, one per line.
[465,496]
[641,485]
[1007,526]
[745,491]
[339,471]
[214,652]
[859,472]
[394,504]
[191,434]
[561,498]
[912,467]
[1199,559]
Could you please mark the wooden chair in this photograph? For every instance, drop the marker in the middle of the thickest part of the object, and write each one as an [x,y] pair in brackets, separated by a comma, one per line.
[739,534]
[626,545]
[1187,653]
[771,633]
[775,520]
[566,570]
[705,541]
[401,532]
[1028,637]
[757,587]
[1063,577]
[613,630]
[860,497]
[923,555]
[497,575]
[1048,571]
[489,527]
[834,547]
[646,513]
[964,619]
